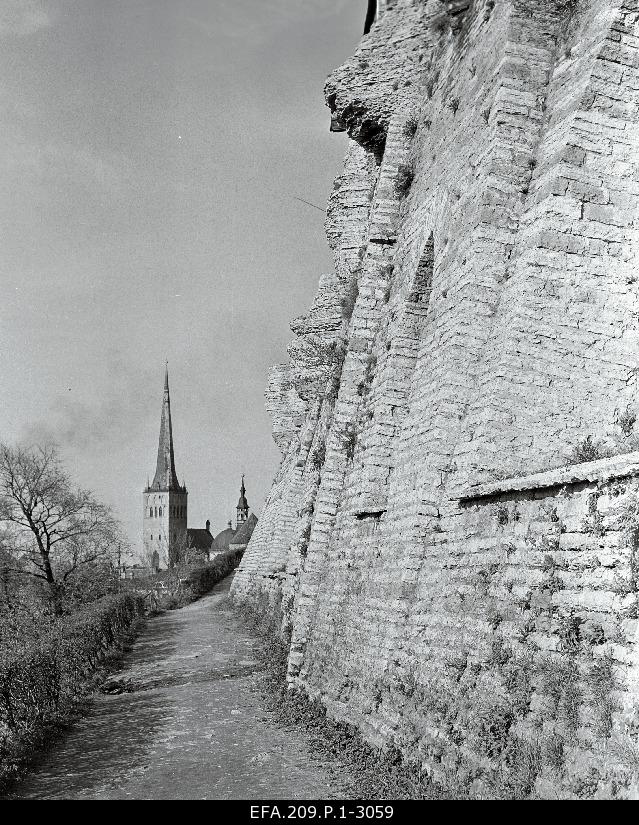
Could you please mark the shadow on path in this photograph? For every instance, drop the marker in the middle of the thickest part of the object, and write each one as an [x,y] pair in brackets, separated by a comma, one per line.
[191,724]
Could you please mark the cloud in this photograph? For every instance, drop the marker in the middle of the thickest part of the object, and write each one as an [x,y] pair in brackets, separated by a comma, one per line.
[114,417]
[21,18]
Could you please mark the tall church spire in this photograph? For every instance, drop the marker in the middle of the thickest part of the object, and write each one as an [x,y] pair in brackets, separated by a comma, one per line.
[165,476]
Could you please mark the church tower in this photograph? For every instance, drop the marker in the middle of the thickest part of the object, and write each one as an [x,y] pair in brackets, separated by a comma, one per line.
[242,507]
[165,501]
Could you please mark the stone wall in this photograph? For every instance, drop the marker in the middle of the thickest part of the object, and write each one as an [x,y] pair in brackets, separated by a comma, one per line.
[444,587]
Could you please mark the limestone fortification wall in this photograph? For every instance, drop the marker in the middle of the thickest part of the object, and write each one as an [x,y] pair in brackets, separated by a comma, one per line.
[451,541]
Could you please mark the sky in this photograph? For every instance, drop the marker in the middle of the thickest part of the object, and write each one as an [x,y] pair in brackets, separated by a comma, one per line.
[150,152]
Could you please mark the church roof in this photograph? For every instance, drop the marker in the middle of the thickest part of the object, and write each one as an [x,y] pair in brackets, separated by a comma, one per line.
[199,538]
[165,477]
[243,535]
[222,540]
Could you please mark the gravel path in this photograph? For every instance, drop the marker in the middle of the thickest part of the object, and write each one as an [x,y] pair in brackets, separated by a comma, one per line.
[191,724]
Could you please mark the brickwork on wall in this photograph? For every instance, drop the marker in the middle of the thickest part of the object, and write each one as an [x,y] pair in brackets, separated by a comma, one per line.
[447,582]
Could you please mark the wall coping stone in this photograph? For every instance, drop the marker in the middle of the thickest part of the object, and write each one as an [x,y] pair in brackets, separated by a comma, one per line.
[604,469]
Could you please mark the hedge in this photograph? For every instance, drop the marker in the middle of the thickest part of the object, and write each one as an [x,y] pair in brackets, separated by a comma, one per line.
[202,579]
[40,684]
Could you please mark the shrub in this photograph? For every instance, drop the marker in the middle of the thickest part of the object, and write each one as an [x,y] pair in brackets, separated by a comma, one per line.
[305,539]
[410,128]
[203,579]
[319,457]
[492,724]
[569,631]
[404,180]
[586,450]
[350,442]
[559,680]
[337,353]
[42,683]
[626,421]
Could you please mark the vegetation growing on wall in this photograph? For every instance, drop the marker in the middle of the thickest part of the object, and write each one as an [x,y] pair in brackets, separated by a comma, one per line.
[404,180]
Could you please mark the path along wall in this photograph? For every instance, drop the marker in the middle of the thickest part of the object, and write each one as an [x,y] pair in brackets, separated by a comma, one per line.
[479,328]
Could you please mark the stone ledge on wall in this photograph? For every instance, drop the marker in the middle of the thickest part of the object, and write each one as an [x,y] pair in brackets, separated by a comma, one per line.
[604,469]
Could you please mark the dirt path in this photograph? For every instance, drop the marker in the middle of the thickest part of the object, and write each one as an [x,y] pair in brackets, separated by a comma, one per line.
[192,727]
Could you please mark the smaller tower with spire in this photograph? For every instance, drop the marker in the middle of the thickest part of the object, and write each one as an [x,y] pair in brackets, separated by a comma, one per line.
[242,507]
[165,500]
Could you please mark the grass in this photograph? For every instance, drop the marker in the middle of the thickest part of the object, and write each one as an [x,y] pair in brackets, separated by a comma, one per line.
[359,770]
[601,683]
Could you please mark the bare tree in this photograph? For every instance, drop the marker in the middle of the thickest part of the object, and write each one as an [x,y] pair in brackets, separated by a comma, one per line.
[57,528]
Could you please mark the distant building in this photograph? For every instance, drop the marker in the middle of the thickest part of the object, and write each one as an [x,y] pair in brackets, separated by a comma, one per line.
[200,540]
[237,538]
[243,534]
[222,541]
[165,500]
[166,537]
[136,571]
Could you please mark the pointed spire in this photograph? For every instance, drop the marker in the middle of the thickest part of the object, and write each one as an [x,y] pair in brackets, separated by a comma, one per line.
[242,508]
[242,503]
[165,476]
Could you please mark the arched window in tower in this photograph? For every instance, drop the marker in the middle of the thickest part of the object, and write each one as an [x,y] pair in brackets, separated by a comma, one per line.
[160,512]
